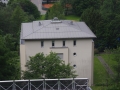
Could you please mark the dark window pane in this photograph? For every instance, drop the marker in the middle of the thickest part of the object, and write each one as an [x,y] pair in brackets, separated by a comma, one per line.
[63,43]
[42,43]
[74,42]
[53,43]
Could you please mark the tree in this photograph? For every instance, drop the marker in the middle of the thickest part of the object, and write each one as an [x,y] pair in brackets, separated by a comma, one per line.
[109,11]
[94,20]
[55,11]
[27,6]
[80,5]
[50,66]
[5,22]
[9,63]
[2,4]
[30,8]
[67,4]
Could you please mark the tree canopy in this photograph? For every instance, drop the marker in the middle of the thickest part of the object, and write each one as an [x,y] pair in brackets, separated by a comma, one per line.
[49,66]
[27,6]
[9,62]
[55,11]
[80,5]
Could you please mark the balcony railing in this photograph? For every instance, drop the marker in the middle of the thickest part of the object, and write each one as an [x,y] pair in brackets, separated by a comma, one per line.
[46,84]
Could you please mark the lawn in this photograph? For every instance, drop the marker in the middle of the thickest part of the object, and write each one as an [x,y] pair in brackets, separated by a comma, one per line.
[42,17]
[100,75]
[109,60]
[72,17]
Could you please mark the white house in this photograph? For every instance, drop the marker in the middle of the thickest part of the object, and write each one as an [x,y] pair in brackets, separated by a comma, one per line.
[4,1]
[72,41]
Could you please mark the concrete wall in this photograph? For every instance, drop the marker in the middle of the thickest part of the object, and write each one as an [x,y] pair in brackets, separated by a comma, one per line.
[83,58]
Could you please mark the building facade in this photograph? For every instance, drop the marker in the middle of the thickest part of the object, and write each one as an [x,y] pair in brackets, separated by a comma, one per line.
[72,41]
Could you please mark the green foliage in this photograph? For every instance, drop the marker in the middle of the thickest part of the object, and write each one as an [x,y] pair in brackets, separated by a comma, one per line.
[72,17]
[2,4]
[104,22]
[80,5]
[92,18]
[50,66]
[116,53]
[30,8]
[112,57]
[100,74]
[67,6]
[55,11]
[27,6]
[5,22]
[9,63]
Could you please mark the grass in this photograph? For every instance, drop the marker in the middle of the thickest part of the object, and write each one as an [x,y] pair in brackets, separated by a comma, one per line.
[109,60]
[100,75]
[42,17]
[69,17]
[72,17]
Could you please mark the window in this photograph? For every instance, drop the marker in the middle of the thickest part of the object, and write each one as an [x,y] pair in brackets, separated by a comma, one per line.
[74,54]
[63,43]
[42,43]
[74,43]
[74,65]
[53,43]
[60,55]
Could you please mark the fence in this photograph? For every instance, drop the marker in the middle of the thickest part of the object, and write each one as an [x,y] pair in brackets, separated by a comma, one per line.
[46,84]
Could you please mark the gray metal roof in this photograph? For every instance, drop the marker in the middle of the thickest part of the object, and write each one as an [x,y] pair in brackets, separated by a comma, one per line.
[48,29]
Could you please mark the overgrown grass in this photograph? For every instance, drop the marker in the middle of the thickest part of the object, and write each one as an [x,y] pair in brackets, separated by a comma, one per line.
[109,60]
[72,17]
[100,75]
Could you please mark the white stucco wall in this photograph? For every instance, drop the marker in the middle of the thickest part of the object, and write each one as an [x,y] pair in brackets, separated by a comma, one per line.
[83,60]
[22,57]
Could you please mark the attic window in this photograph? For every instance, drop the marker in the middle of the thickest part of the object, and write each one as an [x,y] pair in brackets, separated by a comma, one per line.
[56,20]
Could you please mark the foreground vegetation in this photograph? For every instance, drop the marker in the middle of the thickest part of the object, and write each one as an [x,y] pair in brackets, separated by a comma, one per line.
[102,81]
[100,75]
[48,66]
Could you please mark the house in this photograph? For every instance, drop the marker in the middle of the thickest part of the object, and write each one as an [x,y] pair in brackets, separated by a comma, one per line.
[4,1]
[72,41]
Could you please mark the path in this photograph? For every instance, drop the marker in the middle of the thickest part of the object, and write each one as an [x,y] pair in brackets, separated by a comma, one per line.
[38,3]
[108,69]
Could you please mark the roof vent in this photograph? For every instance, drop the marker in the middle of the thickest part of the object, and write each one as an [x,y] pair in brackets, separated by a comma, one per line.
[40,24]
[56,20]
[71,22]
[57,28]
